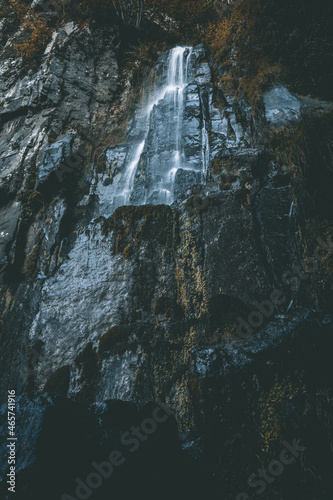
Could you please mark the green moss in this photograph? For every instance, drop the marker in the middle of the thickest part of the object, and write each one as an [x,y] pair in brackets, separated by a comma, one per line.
[58,382]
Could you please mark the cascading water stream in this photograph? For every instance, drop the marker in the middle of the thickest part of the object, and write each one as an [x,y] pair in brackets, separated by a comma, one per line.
[167,106]
[177,84]
[130,173]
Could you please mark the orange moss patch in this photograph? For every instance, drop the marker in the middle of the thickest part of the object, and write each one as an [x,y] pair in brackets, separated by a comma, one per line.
[131,225]
[269,39]
[34,27]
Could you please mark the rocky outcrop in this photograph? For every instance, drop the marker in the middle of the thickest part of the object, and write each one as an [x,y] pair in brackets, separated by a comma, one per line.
[74,84]
[171,267]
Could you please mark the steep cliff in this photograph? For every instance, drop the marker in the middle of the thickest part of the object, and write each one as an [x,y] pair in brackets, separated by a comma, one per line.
[182,261]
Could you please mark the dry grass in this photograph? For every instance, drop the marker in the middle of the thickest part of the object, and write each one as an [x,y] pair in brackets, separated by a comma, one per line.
[260,41]
[34,28]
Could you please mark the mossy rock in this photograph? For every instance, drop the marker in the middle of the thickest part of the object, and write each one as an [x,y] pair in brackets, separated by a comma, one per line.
[34,353]
[133,225]
[31,261]
[198,203]
[217,166]
[58,382]
[127,251]
[32,202]
[229,178]
[114,341]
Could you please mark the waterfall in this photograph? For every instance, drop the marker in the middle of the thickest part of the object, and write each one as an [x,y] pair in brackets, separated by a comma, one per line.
[156,159]
[130,173]
[205,149]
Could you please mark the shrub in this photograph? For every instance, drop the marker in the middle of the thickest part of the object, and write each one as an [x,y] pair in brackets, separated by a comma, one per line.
[35,29]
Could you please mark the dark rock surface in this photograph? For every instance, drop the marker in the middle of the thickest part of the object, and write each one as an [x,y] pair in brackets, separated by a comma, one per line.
[66,442]
[210,305]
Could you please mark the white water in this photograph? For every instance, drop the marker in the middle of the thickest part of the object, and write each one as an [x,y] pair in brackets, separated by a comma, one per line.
[205,151]
[162,173]
[130,173]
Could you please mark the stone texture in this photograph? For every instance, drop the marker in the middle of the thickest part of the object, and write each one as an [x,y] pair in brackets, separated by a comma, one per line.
[9,220]
[281,107]
[144,302]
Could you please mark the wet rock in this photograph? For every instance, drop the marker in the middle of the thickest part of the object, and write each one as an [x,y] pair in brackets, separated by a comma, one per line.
[137,294]
[281,107]
[9,220]
[55,157]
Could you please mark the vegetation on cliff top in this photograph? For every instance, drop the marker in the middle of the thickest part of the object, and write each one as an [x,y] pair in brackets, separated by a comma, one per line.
[257,41]
[260,40]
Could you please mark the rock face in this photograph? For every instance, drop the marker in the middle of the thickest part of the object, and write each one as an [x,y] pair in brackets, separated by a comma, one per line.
[173,267]
[281,107]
